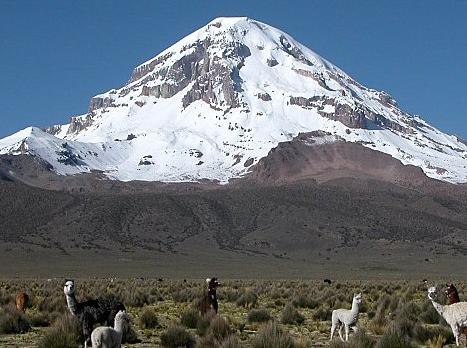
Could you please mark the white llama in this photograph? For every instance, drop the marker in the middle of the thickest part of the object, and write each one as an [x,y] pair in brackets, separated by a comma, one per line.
[345,317]
[455,314]
[107,337]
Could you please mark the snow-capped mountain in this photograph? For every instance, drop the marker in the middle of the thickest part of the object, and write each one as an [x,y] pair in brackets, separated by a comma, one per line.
[216,102]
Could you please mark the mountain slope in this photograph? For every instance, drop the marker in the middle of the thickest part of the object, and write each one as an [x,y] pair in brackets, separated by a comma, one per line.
[215,103]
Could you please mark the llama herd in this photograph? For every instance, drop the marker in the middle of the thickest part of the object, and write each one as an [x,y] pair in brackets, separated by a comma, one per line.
[112,313]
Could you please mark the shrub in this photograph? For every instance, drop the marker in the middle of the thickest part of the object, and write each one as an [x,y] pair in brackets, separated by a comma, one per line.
[219,328]
[393,340]
[13,321]
[65,333]
[247,299]
[207,341]
[429,315]
[204,322]
[290,315]
[190,318]
[42,319]
[231,342]
[304,301]
[129,335]
[177,336]
[148,319]
[137,299]
[361,340]
[322,314]
[436,342]
[258,315]
[271,336]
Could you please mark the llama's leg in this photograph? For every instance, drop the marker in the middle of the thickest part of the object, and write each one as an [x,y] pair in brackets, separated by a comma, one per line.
[333,329]
[334,324]
[455,332]
[341,326]
[87,330]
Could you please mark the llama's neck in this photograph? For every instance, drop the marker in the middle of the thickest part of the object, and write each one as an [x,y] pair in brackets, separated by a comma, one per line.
[439,308]
[354,309]
[118,326]
[72,303]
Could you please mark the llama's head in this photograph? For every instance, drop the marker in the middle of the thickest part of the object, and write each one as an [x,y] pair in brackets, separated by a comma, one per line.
[451,292]
[69,288]
[357,298]
[122,317]
[212,283]
[432,293]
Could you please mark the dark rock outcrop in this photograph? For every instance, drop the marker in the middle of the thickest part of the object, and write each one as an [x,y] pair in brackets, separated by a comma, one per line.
[99,103]
[79,123]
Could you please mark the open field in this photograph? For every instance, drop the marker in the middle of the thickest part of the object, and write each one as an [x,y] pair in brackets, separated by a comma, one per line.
[296,312]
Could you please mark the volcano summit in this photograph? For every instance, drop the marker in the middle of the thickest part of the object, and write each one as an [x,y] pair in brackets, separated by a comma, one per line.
[219,100]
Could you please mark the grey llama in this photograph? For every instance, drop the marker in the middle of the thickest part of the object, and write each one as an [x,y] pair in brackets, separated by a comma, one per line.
[107,337]
[346,318]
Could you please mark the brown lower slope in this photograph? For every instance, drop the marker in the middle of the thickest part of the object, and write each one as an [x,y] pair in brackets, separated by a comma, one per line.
[305,157]
[334,210]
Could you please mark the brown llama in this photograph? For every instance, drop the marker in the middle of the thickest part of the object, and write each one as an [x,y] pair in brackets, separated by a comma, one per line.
[453,297]
[209,300]
[22,301]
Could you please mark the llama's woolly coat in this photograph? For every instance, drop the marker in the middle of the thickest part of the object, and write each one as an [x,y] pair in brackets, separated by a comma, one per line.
[346,317]
[108,337]
[455,314]
[21,301]
[92,312]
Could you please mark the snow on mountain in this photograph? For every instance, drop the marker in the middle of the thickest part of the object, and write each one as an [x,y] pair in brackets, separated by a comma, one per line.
[213,104]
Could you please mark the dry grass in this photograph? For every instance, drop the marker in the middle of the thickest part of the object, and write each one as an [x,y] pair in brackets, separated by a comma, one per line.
[251,314]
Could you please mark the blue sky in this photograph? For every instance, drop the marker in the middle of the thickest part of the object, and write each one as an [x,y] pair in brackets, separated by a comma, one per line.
[55,55]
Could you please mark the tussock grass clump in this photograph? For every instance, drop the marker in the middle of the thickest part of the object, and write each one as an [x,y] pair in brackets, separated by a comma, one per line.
[137,298]
[42,319]
[304,301]
[13,321]
[148,319]
[177,336]
[130,335]
[204,322]
[258,315]
[248,299]
[396,335]
[290,315]
[271,336]
[219,328]
[190,318]
[429,315]
[436,342]
[231,342]
[64,333]
[393,340]
[322,314]
[358,340]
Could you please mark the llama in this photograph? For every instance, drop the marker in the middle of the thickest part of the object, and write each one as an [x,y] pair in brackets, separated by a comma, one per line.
[209,300]
[455,314]
[452,294]
[91,312]
[453,297]
[22,301]
[345,317]
[107,337]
